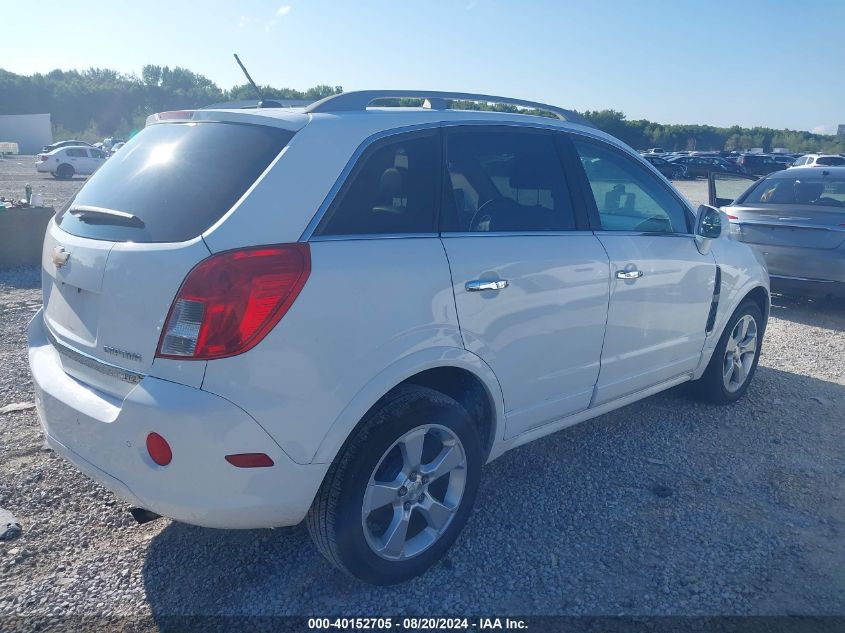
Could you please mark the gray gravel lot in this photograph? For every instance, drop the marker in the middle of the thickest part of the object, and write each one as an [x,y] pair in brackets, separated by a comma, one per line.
[667,506]
[17,171]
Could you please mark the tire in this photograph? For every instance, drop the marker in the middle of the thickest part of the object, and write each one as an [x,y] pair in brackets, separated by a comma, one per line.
[716,385]
[349,533]
[64,172]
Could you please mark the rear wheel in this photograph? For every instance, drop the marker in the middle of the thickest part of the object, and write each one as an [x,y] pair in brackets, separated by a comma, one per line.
[64,172]
[402,489]
[735,358]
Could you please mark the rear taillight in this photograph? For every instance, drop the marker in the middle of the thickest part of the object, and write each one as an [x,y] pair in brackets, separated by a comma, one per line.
[42,157]
[230,301]
[732,217]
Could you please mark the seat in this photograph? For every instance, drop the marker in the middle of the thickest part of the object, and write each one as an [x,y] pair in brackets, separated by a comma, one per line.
[807,192]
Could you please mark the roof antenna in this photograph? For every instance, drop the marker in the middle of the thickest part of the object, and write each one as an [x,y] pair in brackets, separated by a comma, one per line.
[261,102]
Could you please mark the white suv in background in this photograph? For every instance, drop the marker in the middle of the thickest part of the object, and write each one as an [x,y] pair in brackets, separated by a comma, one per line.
[344,320]
[819,160]
[66,162]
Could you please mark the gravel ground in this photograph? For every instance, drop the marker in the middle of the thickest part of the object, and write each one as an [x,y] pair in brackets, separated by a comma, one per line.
[664,507]
[17,171]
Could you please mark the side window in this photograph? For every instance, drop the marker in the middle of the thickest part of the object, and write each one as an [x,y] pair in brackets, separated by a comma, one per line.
[502,179]
[628,197]
[393,189]
[75,152]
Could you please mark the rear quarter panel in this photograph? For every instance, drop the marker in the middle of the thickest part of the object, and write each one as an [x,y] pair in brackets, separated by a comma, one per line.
[366,305]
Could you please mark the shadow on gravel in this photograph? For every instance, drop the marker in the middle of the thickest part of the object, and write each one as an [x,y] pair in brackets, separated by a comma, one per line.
[667,506]
[817,312]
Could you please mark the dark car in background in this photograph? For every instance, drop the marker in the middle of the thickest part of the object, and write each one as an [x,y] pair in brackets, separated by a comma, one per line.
[796,218]
[49,148]
[701,166]
[670,170]
[760,164]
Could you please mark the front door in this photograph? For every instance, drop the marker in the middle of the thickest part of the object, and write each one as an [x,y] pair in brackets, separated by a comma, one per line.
[661,286]
[531,290]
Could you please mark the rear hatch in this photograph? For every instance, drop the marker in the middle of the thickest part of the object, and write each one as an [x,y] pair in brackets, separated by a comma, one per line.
[116,255]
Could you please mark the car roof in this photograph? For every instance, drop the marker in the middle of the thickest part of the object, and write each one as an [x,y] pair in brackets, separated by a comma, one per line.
[355,105]
[835,171]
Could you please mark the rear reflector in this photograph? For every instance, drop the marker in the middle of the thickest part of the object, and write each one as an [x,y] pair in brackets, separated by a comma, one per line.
[159,449]
[230,301]
[250,460]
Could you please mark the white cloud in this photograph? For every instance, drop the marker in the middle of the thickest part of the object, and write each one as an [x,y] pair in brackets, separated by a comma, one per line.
[283,11]
[243,21]
[820,129]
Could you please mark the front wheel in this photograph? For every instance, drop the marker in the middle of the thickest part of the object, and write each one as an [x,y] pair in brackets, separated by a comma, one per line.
[735,358]
[402,489]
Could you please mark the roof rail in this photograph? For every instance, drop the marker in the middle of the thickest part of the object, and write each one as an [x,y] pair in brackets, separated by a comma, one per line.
[434,100]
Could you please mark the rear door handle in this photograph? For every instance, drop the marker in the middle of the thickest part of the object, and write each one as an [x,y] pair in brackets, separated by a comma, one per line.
[477,285]
[629,274]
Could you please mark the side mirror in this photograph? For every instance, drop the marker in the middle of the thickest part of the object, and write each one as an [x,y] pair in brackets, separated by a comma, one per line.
[708,227]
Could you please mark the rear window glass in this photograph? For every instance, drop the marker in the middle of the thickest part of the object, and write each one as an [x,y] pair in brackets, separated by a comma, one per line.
[800,189]
[172,181]
[830,160]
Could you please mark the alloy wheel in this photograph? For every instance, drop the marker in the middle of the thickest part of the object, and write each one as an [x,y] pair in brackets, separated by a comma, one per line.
[740,353]
[414,492]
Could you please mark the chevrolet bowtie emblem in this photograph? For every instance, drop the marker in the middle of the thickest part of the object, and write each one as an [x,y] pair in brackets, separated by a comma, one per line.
[60,256]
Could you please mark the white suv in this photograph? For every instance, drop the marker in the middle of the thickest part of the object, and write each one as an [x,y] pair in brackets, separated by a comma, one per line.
[66,162]
[819,160]
[344,320]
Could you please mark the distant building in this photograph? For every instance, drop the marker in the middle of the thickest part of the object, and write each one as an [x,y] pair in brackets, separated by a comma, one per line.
[840,131]
[30,131]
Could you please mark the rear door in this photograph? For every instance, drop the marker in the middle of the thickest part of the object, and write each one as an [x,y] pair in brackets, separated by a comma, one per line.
[115,256]
[531,289]
[661,286]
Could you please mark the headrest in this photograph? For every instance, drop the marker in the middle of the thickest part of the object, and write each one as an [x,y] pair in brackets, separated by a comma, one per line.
[531,174]
[391,182]
[808,191]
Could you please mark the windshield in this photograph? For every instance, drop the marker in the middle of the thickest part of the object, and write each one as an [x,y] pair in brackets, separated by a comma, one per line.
[814,190]
[172,181]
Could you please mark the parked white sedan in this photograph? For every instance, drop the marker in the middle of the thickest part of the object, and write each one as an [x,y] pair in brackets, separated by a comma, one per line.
[66,162]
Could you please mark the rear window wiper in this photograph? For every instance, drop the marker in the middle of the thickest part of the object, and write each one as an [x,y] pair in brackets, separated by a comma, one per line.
[101,215]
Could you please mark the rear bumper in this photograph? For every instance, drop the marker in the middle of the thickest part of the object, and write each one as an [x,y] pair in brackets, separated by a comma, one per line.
[821,265]
[106,439]
[802,287]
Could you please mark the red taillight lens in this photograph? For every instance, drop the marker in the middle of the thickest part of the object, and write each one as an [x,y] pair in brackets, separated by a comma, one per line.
[159,449]
[230,301]
[732,217]
[42,157]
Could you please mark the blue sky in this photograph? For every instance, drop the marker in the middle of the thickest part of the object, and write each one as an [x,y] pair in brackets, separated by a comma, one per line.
[778,63]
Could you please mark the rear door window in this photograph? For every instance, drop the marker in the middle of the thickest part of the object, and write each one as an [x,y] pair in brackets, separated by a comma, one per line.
[393,189]
[502,179]
[172,181]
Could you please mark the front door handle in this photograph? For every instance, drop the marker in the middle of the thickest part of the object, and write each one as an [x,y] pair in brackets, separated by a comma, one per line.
[478,285]
[629,274]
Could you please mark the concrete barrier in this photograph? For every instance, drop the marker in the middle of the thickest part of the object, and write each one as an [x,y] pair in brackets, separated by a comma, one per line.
[22,235]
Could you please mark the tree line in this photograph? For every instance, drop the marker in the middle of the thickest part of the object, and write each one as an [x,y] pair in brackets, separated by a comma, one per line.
[98,102]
